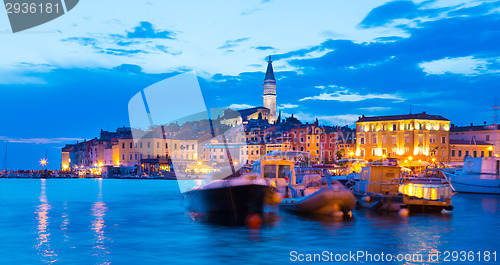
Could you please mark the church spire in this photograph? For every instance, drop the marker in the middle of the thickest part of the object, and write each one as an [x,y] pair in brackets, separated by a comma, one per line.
[270,91]
[269,72]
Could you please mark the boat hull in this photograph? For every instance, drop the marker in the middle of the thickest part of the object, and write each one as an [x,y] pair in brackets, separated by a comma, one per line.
[241,200]
[475,183]
[326,201]
[380,202]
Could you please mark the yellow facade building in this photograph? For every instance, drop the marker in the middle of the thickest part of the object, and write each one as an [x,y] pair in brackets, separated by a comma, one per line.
[413,137]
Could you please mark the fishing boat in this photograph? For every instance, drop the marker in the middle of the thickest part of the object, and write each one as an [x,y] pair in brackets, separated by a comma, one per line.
[305,194]
[478,175]
[241,194]
[384,187]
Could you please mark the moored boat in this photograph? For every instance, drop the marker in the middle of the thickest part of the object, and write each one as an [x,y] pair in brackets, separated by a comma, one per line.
[478,175]
[241,195]
[305,194]
[383,187]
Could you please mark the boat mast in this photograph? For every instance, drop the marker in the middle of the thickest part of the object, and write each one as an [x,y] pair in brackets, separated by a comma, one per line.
[495,127]
[5,158]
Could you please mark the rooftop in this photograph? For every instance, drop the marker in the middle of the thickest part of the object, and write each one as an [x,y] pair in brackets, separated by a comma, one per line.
[473,128]
[417,116]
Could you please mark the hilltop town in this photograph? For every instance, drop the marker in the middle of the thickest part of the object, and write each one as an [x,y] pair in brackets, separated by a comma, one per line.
[418,139]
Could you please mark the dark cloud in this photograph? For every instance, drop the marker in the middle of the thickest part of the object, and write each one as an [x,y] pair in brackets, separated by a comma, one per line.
[129,68]
[146,30]
[232,43]
[388,12]
[264,48]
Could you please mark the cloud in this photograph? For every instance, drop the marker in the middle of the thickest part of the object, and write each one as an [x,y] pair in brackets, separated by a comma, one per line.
[467,65]
[232,43]
[264,48]
[240,106]
[374,109]
[146,30]
[345,96]
[39,140]
[287,106]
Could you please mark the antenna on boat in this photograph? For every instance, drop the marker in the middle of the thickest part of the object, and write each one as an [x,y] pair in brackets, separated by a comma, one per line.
[495,126]
[5,158]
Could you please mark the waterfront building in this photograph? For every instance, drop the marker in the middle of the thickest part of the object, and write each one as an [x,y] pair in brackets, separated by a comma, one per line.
[251,153]
[417,137]
[459,149]
[478,133]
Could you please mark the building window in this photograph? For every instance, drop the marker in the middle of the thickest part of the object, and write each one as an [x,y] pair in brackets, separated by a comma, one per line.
[466,153]
[158,145]
[407,139]
[166,145]
[482,153]
[301,139]
[394,127]
[140,144]
[443,140]
[130,156]
[394,139]
[453,152]
[384,139]
[123,156]
[475,153]
[175,146]
[308,137]
[459,153]
[362,140]
[192,146]
[301,148]
[221,156]
[130,145]
[135,156]
[123,145]
[187,147]
[487,137]
[490,153]
[308,145]
[374,140]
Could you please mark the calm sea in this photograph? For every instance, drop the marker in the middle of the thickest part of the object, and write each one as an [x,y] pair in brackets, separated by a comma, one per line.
[86,221]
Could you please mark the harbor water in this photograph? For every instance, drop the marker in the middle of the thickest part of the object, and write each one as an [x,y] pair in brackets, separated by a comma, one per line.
[111,221]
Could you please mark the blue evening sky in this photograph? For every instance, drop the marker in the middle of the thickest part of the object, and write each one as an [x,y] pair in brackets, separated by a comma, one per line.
[333,59]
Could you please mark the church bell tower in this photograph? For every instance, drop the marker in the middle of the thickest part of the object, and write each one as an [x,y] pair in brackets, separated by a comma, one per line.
[270,91]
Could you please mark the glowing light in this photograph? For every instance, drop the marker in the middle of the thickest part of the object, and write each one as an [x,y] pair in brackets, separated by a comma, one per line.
[43,161]
[65,167]
[433,159]
[490,148]
[383,156]
[100,164]
[351,153]
[410,158]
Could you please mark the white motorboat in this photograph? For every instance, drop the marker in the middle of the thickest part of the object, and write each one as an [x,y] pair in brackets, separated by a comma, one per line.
[478,175]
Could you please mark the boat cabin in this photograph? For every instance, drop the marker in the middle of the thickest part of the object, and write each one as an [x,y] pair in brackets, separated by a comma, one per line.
[483,165]
[378,179]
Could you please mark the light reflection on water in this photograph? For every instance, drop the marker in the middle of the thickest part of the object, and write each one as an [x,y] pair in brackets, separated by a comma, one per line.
[84,221]
[98,226]
[43,240]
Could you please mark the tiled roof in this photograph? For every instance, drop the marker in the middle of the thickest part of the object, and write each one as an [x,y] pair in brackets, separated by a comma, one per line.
[419,116]
[474,128]
[467,142]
